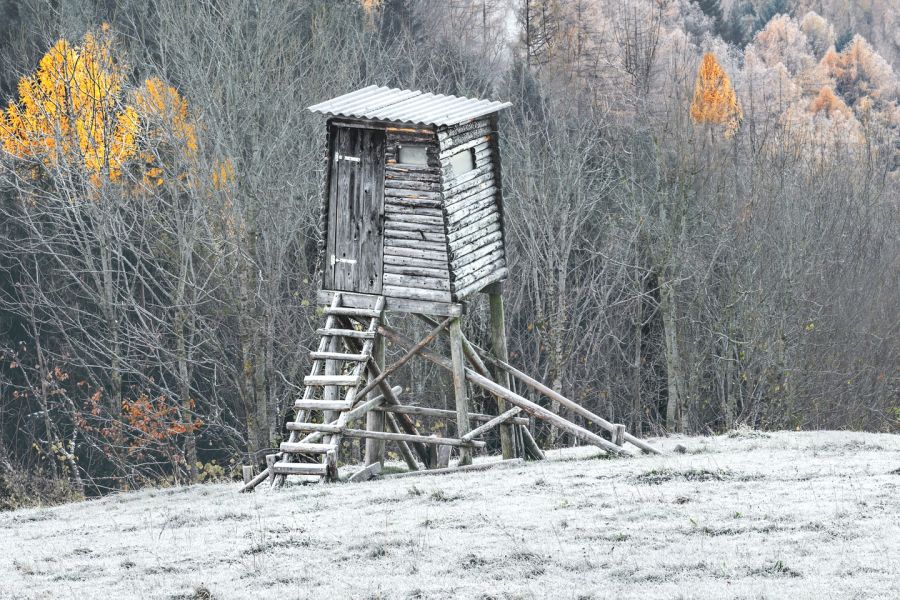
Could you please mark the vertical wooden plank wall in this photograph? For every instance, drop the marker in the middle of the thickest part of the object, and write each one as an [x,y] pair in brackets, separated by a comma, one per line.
[472,207]
[415,248]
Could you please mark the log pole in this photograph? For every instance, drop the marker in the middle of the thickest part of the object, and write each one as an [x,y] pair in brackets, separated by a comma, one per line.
[498,345]
[458,373]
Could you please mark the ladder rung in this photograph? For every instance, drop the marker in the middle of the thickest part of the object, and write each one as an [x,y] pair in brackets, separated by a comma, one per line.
[330,380]
[350,333]
[352,312]
[324,428]
[289,468]
[322,404]
[338,356]
[305,448]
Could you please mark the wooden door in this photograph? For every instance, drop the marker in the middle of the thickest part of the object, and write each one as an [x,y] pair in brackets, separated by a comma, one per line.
[355,245]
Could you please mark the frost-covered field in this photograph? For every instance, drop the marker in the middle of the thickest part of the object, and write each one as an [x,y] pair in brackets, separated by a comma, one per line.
[752,515]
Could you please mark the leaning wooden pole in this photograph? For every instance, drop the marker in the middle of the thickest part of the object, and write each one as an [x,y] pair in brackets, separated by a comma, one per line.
[527,405]
[562,400]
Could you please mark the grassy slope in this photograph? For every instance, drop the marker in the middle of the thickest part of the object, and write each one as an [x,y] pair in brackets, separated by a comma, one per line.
[753,515]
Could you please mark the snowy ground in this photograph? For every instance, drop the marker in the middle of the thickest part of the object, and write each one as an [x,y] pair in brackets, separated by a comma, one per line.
[751,515]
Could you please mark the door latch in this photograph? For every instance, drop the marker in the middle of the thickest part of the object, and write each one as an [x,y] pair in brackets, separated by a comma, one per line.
[339,156]
[348,261]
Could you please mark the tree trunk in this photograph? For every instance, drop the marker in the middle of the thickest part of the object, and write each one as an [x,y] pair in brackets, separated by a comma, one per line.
[674,405]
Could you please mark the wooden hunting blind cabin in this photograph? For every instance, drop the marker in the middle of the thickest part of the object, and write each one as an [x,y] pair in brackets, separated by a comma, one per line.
[412,205]
[412,222]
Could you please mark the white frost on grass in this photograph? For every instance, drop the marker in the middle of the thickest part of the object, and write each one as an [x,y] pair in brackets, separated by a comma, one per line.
[750,515]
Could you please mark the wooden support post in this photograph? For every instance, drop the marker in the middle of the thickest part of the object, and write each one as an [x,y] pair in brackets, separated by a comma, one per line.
[375,419]
[331,469]
[498,345]
[443,457]
[618,435]
[247,472]
[458,373]
[270,466]
[331,392]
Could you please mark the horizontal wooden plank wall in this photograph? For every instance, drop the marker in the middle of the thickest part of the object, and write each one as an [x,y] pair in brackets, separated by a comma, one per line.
[415,241]
[473,207]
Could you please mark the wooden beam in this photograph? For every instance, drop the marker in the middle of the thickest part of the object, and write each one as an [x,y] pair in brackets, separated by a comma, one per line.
[458,374]
[498,420]
[527,405]
[424,411]
[405,437]
[405,452]
[374,420]
[390,398]
[366,474]
[465,469]
[498,344]
[428,307]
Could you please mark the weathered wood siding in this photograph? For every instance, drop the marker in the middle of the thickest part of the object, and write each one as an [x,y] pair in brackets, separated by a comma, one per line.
[473,207]
[416,262]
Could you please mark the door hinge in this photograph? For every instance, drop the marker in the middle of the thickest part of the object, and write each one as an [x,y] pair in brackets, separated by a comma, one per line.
[335,260]
[339,156]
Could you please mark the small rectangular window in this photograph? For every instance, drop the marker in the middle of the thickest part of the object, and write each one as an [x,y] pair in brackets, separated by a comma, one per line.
[413,155]
[462,162]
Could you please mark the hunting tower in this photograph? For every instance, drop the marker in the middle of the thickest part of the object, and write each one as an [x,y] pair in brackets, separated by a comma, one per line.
[412,222]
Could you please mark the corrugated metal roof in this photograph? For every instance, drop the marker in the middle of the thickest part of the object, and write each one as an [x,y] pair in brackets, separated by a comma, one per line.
[407,106]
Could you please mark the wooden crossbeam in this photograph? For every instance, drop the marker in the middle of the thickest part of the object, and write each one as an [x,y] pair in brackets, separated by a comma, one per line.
[405,437]
[502,418]
[441,413]
[404,359]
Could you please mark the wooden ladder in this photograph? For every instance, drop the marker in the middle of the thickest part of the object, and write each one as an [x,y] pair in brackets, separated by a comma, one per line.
[335,372]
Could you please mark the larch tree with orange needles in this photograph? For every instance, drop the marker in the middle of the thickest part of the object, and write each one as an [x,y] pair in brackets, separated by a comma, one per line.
[715,101]
[72,111]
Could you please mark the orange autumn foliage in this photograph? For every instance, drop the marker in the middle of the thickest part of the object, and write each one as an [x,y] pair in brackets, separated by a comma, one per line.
[154,420]
[828,103]
[166,118]
[72,111]
[715,101]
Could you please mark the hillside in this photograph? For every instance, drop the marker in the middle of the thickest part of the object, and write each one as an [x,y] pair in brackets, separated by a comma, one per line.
[746,515]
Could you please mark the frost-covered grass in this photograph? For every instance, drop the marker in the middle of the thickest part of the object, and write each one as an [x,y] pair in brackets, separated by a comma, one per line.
[751,515]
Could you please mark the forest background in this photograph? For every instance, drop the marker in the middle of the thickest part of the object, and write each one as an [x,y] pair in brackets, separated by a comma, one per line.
[701,209]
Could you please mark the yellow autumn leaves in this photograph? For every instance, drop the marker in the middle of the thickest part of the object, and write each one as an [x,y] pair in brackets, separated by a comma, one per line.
[73,110]
[715,101]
